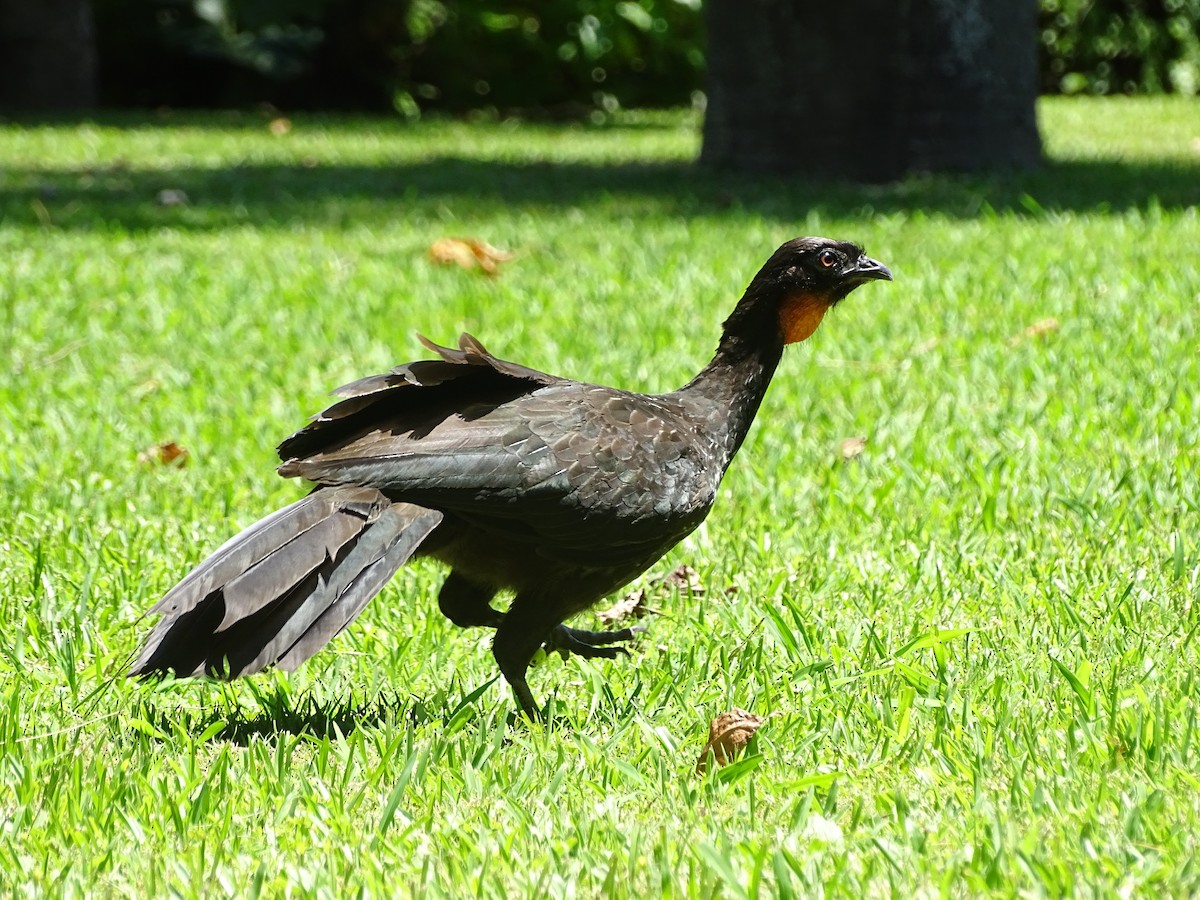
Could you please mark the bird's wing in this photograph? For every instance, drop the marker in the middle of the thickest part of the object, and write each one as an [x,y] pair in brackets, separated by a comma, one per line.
[467,380]
[587,473]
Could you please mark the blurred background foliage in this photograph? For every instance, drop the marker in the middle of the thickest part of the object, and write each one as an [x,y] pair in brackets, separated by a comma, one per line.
[1120,46]
[566,57]
[555,57]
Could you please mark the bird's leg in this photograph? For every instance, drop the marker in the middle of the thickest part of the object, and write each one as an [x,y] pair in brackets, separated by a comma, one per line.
[528,624]
[466,603]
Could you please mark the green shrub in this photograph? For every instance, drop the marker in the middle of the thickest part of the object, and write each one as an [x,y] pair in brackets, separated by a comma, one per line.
[552,55]
[569,56]
[558,56]
[1120,46]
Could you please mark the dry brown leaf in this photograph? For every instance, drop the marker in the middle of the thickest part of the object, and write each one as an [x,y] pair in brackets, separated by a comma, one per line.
[853,446]
[280,126]
[1037,329]
[682,578]
[631,606]
[728,735]
[450,252]
[468,253]
[168,453]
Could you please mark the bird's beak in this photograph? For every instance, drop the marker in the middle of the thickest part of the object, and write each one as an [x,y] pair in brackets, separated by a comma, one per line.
[867,269]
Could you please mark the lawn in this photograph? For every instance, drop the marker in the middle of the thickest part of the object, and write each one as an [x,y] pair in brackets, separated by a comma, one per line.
[974,641]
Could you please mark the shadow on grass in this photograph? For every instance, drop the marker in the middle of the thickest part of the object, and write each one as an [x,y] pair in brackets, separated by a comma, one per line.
[277,712]
[131,199]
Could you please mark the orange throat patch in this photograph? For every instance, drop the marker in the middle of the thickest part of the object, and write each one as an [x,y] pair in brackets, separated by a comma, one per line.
[799,316]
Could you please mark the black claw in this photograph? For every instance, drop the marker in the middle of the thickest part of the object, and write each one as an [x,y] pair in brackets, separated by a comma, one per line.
[589,644]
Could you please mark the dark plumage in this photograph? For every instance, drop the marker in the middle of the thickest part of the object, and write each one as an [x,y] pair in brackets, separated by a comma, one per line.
[556,490]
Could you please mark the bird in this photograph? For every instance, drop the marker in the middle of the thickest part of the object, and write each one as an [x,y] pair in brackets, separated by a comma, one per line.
[554,490]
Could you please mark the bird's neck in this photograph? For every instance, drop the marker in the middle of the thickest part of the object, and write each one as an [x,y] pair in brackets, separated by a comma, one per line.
[727,393]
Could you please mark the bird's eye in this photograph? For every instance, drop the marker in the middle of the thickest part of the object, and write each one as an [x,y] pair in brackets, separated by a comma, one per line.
[828,258]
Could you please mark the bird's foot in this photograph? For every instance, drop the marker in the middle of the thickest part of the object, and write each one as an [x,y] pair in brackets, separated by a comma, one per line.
[591,644]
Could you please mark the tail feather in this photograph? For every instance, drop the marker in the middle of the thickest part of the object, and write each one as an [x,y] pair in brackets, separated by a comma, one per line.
[342,594]
[276,574]
[400,532]
[261,539]
[279,591]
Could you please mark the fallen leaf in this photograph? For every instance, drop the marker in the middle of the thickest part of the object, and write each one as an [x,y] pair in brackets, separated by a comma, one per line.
[451,251]
[1037,329]
[728,735]
[853,446]
[631,606]
[468,253]
[172,197]
[280,126]
[168,453]
[682,577]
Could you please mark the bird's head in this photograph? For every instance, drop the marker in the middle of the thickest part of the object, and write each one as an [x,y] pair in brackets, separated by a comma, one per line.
[801,281]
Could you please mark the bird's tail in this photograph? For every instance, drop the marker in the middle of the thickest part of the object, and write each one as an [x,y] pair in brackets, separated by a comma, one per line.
[279,591]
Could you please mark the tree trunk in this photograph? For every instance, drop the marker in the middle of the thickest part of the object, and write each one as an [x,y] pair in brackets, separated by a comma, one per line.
[47,55]
[871,89]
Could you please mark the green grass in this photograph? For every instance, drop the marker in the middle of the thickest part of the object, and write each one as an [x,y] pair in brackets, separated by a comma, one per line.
[976,641]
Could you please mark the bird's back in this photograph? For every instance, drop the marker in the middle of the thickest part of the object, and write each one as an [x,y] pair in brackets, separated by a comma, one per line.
[581,473]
